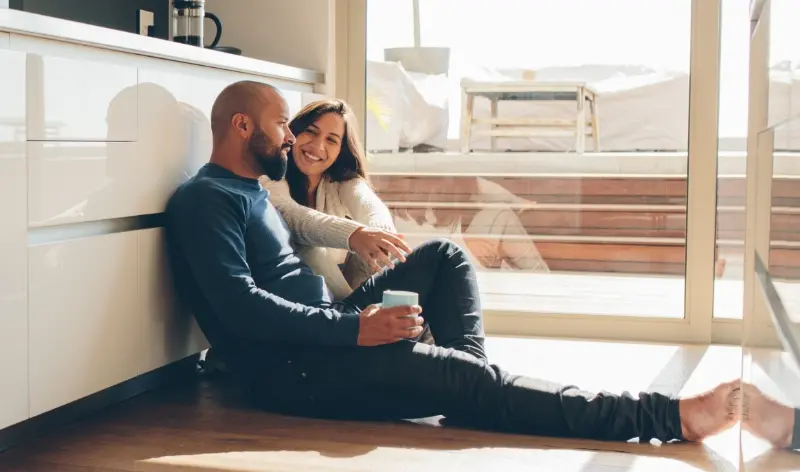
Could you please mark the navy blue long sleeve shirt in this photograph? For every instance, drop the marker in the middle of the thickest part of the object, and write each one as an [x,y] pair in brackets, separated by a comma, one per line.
[233,262]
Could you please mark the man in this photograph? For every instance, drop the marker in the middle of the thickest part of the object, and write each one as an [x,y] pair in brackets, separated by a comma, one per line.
[273,323]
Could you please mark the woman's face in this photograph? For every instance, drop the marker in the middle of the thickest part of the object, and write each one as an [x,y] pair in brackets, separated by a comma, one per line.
[318,146]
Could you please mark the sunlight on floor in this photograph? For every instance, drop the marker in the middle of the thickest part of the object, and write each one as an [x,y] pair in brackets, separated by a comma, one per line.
[555,460]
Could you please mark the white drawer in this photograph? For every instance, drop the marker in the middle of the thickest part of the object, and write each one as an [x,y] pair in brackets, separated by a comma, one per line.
[70,182]
[84,326]
[80,100]
[169,332]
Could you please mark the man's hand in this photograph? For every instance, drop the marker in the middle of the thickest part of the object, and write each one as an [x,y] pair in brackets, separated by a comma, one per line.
[377,247]
[385,326]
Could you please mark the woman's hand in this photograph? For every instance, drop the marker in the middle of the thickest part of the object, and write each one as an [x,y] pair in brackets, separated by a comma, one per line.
[377,247]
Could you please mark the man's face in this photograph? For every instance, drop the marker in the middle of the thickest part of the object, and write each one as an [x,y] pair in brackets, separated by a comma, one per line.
[271,140]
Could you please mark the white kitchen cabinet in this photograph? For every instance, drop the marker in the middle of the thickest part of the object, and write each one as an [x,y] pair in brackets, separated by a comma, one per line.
[70,182]
[13,241]
[5,40]
[169,332]
[84,317]
[80,100]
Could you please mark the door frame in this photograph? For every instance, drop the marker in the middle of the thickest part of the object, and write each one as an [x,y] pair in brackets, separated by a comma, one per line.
[698,324]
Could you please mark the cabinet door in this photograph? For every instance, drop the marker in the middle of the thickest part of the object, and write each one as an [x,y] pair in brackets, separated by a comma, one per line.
[169,332]
[71,182]
[13,242]
[80,100]
[84,317]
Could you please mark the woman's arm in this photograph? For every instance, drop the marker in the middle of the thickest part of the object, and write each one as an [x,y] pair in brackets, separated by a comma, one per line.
[368,209]
[310,227]
[365,206]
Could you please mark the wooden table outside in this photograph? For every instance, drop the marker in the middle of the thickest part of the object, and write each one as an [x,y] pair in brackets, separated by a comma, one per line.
[528,90]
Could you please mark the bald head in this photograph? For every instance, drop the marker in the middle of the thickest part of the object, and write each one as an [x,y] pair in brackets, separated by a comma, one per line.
[250,125]
[246,97]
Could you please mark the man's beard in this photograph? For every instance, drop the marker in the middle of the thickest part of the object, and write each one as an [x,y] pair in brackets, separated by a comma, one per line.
[269,156]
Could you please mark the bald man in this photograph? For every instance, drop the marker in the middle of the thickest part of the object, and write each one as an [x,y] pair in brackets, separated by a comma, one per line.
[273,322]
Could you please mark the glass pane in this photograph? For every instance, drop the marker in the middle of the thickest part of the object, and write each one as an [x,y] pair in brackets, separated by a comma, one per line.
[732,158]
[784,88]
[784,114]
[567,183]
[771,372]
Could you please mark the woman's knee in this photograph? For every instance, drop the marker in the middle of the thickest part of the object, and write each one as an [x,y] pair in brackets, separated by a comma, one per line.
[442,246]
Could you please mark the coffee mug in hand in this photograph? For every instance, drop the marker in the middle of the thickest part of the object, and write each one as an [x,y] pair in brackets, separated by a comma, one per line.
[399,298]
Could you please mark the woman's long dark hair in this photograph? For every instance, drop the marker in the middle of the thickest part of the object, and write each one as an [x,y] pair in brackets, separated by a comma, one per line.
[350,163]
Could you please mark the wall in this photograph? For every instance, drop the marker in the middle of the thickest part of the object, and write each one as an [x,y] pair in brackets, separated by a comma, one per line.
[117,14]
[288,32]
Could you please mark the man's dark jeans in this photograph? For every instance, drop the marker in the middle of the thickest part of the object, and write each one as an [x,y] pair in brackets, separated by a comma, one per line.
[453,378]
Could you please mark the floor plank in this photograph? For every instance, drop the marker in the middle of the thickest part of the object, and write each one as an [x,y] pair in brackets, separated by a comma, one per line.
[205,426]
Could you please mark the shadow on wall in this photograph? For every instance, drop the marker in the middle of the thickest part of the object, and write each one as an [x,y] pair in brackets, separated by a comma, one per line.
[174,142]
[177,133]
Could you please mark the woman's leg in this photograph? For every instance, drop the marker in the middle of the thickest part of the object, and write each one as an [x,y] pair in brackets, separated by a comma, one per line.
[441,273]
[323,264]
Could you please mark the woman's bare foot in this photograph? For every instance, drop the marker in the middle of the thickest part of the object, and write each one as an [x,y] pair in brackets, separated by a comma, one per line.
[711,412]
[767,418]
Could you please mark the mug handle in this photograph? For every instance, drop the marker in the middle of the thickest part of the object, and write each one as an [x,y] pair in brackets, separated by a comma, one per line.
[217,36]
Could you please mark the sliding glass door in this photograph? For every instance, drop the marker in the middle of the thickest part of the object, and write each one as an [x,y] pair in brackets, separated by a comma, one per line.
[583,160]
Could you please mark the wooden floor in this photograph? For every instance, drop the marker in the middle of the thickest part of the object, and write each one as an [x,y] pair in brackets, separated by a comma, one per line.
[201,427]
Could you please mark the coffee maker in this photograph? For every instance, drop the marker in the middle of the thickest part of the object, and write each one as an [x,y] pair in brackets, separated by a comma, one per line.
[187,23]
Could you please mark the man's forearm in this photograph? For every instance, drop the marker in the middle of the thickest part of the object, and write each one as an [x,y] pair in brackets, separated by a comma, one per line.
[259,315]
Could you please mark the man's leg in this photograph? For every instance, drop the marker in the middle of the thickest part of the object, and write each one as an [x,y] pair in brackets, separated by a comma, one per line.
[440,272]
[413,380]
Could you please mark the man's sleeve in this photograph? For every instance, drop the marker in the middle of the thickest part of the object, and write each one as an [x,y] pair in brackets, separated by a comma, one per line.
[209,233]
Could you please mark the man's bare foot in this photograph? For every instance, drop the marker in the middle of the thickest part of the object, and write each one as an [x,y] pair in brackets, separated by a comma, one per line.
[767,418]
[711,412]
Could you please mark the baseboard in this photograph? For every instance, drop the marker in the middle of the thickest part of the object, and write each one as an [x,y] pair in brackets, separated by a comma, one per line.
[61,416]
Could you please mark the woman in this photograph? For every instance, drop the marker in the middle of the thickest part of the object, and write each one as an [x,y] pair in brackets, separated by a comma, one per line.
[326,173]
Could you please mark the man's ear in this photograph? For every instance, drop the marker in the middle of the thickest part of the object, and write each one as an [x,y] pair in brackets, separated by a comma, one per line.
[240,124]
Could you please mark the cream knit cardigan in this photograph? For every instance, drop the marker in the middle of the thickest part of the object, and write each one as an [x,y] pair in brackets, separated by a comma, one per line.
[323,234]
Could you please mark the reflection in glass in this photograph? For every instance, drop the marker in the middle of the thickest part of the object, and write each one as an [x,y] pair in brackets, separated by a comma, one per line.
[771,360]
